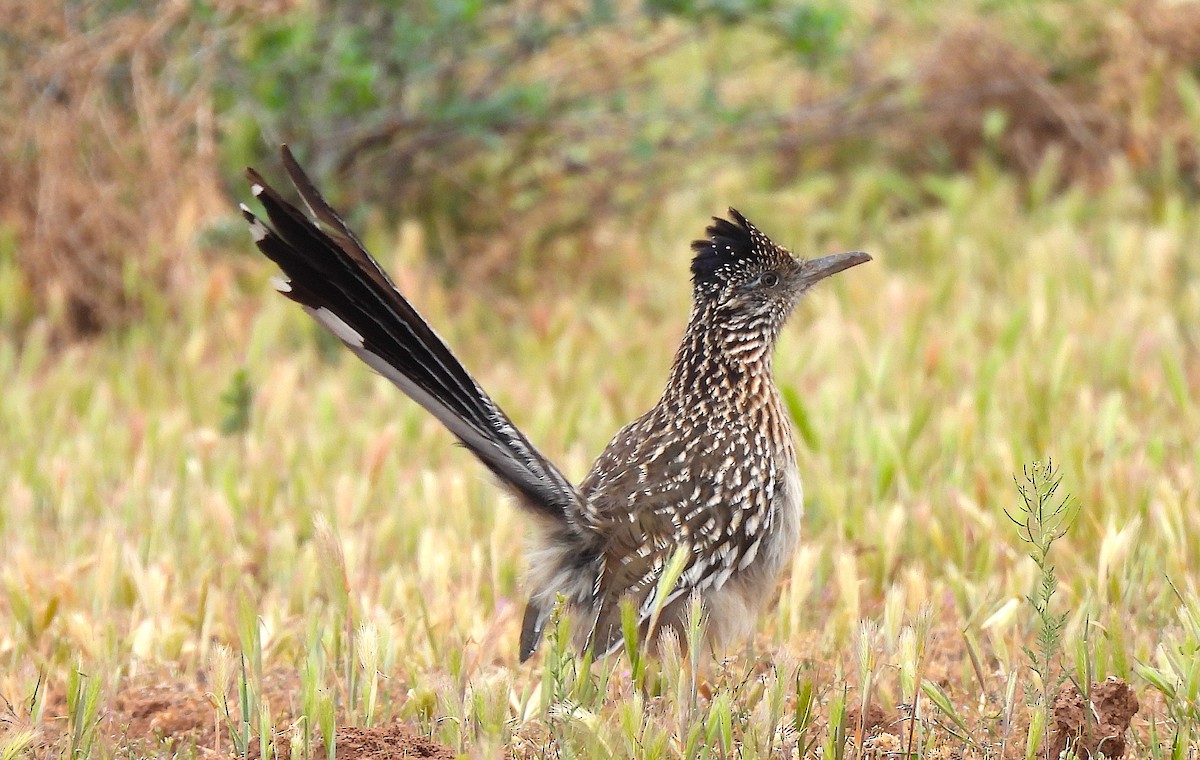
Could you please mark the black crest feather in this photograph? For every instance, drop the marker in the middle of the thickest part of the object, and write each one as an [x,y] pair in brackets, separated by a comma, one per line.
[728,242]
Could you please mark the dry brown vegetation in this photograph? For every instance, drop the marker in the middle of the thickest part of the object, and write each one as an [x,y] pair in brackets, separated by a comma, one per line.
[107,159]
[1126,92]
[109,133]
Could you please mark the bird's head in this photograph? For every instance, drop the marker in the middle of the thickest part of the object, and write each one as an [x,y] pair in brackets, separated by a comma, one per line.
[742,276]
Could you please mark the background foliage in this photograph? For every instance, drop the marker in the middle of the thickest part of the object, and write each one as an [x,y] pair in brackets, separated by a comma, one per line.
[520,135]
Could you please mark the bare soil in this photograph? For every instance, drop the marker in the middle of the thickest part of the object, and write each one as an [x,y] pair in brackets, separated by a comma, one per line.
[161,711]
[387,742]
[172,713]
[1103,731]
[877,721]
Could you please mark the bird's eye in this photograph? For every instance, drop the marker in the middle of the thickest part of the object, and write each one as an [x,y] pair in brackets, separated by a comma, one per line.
[770,279]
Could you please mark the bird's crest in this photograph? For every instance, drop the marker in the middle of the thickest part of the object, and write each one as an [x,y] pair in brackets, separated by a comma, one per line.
[730,246]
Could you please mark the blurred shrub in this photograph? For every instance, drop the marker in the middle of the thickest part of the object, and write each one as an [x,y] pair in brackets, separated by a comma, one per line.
[1086,88]
[502,126]
[107,147]
[525,134]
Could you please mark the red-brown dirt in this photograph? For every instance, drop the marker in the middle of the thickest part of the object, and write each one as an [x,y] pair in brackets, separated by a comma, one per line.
[1103,732]
[179,714]
[387,743]
[165,711]
[877,721]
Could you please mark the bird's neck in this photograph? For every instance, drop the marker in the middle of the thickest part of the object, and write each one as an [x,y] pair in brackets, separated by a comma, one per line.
[724,359]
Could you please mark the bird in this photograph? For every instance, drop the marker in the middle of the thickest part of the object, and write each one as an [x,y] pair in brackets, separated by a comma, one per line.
[705,482]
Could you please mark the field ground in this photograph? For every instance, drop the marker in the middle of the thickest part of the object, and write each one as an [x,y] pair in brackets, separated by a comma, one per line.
[335,561]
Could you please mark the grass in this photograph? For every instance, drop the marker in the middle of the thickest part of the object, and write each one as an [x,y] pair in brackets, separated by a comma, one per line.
[332,539]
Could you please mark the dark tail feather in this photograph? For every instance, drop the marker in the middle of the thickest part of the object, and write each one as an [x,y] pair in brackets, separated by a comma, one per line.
[331,275]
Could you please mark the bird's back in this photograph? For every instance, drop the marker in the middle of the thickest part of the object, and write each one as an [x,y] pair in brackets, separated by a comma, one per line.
[711,468]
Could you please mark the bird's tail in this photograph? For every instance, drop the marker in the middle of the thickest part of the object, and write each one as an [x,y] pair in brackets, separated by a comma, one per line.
[331,275]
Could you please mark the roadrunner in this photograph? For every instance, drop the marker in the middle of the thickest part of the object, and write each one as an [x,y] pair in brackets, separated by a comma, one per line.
[708,474]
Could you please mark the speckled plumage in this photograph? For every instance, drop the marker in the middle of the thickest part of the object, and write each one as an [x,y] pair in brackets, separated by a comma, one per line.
[711,467]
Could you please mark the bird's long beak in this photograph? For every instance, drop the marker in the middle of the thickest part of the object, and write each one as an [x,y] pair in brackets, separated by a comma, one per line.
[818,269]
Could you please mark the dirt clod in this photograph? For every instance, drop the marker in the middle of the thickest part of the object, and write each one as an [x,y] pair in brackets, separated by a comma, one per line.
[388,743]
[167,709]
[875,720]
[1100,733]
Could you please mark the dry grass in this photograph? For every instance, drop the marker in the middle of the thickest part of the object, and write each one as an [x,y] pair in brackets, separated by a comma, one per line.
[992,330]
[368,573]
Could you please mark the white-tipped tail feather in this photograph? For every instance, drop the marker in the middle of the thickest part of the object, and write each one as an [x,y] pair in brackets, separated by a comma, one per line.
[332,276]
[336,325]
